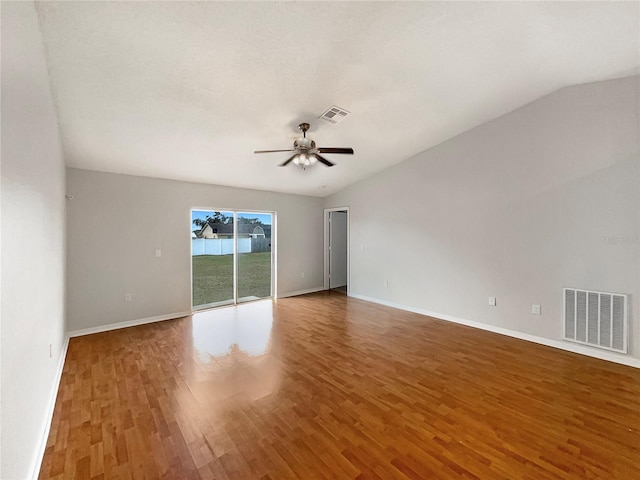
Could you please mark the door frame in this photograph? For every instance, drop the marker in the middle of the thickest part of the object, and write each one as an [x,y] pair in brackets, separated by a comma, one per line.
[326,245]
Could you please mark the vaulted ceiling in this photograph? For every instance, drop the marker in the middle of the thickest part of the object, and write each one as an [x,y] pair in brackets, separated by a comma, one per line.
[188,90]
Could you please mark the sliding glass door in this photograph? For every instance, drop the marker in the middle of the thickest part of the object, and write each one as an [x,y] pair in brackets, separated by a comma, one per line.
[231,257]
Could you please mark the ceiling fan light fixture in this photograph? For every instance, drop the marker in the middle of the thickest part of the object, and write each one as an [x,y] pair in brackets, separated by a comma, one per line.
[304,160]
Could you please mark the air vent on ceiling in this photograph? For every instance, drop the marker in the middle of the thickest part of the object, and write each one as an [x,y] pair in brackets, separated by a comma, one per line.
[598,319]
[334,114]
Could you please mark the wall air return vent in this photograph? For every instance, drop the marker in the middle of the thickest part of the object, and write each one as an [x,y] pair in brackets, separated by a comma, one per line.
[594,318]
[334,114]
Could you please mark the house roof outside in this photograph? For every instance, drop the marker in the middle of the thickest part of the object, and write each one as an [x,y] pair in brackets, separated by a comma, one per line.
[227,229]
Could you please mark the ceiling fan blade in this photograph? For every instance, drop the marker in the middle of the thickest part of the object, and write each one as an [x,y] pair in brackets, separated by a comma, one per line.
[274,151]
[286,162]
[324,160]
[348,151]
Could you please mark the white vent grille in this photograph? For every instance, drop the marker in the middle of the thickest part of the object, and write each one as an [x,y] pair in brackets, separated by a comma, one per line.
[334,114]
[594,318]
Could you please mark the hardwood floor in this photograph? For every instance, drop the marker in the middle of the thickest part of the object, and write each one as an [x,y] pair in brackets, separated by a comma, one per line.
[325,386]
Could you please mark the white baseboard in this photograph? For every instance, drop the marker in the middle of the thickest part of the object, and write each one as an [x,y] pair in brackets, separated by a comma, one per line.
[570,347]
[36,464]
[300,292]
[37,461]
[129,323]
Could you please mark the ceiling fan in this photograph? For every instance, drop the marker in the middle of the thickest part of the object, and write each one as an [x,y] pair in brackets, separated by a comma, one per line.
[306,153]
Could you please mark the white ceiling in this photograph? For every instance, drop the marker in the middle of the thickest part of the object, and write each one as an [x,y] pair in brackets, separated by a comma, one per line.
[188,91]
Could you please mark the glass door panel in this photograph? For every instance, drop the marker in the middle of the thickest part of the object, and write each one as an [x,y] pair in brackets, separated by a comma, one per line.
[212,262]
[254,255]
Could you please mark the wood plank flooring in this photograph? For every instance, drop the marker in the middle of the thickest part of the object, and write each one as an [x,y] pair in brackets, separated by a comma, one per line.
[328,387]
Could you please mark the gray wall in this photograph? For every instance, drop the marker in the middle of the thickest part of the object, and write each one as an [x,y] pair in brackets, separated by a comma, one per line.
[516,208]
[32,242]
[115,223]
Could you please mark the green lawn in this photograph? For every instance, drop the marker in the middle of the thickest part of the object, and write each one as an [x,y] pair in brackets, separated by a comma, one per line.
[213,277]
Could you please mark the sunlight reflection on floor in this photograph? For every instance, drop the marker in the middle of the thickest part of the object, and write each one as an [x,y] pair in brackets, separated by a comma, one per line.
[247,326]
[233,346]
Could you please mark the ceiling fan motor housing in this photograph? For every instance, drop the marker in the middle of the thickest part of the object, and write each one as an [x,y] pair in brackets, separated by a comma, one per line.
[304,144]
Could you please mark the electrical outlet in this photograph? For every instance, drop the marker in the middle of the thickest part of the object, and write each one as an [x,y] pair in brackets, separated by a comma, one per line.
[302,275]
[50,350]
[492,301]
[386,283]
[158,253]
[128,297]
[362,247]
[535,309]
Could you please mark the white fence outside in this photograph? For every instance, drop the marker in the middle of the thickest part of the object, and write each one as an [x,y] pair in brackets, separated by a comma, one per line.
[218,246]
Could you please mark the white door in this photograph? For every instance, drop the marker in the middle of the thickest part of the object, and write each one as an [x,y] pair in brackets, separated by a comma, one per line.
[337,249]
